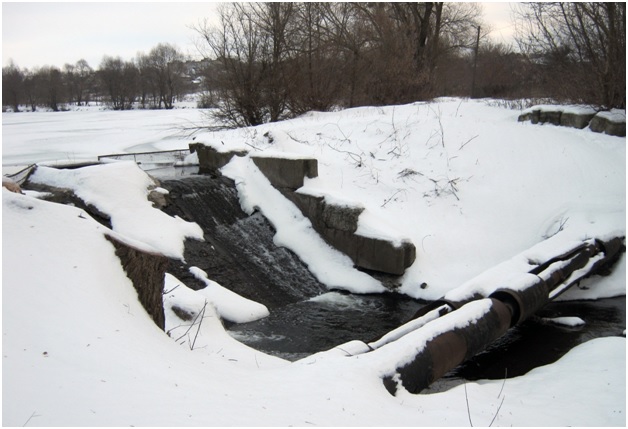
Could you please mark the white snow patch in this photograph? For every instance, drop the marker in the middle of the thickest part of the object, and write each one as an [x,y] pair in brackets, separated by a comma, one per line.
[120,190]
[566,321]
[229,304]
[574,108]
[615,115]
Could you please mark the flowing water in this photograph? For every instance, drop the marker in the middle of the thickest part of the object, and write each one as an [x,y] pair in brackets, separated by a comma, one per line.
[306,317]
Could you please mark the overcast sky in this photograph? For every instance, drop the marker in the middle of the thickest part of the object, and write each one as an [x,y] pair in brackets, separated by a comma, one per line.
[37,34]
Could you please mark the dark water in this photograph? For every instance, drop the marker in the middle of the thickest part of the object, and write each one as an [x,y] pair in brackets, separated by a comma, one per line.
[238,251]
[306,327]
[305,317]
[538,341]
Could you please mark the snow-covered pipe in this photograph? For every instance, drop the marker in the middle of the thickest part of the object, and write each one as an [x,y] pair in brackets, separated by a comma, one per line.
[449,348]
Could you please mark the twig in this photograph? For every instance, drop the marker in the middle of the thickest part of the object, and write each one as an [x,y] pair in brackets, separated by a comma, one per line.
[442,131]
[29,419]
[168,291]
[254,147]
[505,377]
[468,141]
[458,107]
[202,313]
[466,397]
[297,140]
[428,235]
[497,412]
[391,197]
[351,154]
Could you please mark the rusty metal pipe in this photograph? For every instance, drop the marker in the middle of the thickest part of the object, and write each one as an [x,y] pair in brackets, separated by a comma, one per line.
[449,349]
[508,307]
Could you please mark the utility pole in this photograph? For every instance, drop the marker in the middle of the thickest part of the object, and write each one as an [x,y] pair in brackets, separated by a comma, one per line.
[475,62]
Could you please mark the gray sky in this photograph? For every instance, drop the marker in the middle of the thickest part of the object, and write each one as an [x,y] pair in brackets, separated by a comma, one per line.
[38,34]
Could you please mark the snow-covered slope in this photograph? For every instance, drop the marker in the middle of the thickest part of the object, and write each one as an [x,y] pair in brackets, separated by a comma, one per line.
[467,183]
[78,349]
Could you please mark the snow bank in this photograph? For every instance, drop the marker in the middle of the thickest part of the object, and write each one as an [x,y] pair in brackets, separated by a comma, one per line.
[568,108]
[79,350]
[615,115]
[120,190]
[228,304]
[465,182]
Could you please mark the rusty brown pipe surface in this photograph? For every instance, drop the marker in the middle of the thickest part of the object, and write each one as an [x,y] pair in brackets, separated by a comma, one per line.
[449,349]
[508,307]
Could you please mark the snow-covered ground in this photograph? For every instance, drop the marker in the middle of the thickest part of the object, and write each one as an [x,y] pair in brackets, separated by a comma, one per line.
[467,183]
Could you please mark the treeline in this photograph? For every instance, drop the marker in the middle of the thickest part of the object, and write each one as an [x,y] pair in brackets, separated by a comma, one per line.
[153,80]
[270,61]
[278,60]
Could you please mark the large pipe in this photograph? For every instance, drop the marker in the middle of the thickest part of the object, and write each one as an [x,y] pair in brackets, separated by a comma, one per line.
[506,308]
[448,349]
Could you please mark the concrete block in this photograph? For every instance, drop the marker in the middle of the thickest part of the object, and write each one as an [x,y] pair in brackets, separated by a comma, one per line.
[603,124]
[210,160]
[575,120]
[286,172]
[552,117]
[338,224]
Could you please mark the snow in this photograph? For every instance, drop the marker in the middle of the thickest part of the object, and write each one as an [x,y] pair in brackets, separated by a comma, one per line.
[480,195]
[229,305]
[566,321]
[295,231]
[454,175]
[120,190]
[615,115]
[45,136]
[573,109]
[396,354]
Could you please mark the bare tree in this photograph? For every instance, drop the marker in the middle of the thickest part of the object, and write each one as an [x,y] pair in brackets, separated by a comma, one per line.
[276,60]
[275,22]
[49,80]
[581,47]
[12,86]
[315,69]
[165,69]
[251,44]
[120,82]
[84,76]
[348,32]
[407,43]
[235,43]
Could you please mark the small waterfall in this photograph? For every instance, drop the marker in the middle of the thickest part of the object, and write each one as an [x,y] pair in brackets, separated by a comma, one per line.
[238,251]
